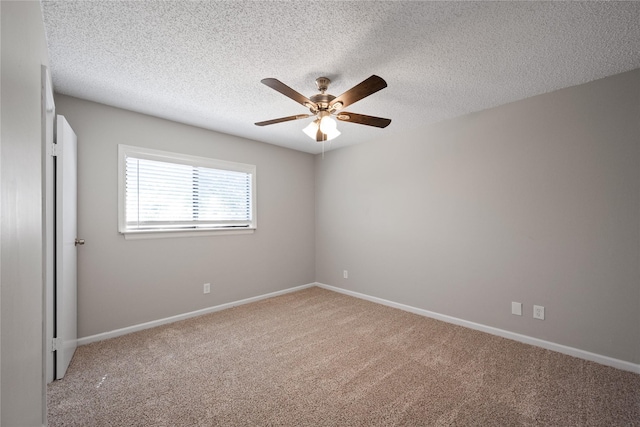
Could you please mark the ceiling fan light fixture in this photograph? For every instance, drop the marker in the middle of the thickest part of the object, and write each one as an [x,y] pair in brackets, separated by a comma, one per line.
[311,129]
[332,134]
[328,125]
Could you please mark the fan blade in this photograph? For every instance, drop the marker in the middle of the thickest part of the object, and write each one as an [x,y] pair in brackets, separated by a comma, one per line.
[359,91]
[361,119]
[283,119]
[287,91]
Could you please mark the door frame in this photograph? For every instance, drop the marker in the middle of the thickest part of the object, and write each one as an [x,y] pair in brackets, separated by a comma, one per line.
[48,128]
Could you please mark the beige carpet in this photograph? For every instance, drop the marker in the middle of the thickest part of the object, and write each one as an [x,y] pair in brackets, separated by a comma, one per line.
[319,358]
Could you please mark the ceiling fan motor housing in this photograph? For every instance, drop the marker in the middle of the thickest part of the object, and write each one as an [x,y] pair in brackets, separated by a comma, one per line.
[322,100]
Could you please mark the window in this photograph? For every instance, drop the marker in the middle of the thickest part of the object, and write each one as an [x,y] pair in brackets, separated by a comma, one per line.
[164,194]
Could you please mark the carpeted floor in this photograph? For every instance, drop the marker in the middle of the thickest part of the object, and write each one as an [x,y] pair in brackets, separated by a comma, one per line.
[320,358]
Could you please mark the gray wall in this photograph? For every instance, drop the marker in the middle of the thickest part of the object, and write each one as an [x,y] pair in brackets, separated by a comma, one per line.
[21,296]
[535,201]
[126,282]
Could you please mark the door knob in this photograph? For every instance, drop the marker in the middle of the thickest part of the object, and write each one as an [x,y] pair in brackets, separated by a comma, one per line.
[79,241]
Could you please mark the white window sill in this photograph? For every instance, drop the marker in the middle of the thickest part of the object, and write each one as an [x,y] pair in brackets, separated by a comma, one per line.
[164,234]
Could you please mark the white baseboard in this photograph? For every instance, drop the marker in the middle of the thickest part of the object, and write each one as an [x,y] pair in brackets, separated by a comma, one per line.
[575,352]
[154,323]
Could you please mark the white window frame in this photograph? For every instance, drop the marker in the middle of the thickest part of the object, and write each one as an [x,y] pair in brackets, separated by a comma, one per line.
[125,151]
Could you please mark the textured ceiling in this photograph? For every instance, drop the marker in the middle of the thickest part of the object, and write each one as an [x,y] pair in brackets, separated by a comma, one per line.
[201,63]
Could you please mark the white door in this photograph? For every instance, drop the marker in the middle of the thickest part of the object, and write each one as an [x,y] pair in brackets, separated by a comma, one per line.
[66,256]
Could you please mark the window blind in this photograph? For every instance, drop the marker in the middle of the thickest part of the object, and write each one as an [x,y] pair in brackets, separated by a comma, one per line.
[162,195]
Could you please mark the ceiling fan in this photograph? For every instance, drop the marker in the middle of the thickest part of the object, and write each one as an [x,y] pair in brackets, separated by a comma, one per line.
[323,106]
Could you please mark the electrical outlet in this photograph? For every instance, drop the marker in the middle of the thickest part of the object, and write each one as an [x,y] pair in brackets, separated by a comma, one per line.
[516,308]
[207,288]
[538,312]
[345,274]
